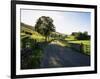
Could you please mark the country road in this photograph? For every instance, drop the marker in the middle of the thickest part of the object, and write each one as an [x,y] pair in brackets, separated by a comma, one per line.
[58,56]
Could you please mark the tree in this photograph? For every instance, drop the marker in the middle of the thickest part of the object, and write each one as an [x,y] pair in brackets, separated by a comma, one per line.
[85,33]
[44,26]
[81,36]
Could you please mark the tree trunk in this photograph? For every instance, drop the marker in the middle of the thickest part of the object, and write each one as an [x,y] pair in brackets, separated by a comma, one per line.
[46,39]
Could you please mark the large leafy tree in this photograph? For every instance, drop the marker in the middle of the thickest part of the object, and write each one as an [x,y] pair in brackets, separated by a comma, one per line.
[45,26]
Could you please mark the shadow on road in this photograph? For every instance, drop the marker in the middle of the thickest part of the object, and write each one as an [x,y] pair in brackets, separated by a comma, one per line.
[58,56]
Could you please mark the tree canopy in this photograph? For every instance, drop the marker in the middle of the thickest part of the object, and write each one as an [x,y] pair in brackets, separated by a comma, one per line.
[45,26]
[81,36]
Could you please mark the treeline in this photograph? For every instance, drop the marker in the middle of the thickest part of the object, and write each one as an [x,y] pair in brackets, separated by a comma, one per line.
[81,35]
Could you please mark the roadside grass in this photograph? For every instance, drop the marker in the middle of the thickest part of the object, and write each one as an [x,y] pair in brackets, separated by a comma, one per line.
[62,43]
[37,37]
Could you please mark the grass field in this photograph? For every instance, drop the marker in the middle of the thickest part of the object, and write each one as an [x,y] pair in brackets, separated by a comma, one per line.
[70,37]
[85,42]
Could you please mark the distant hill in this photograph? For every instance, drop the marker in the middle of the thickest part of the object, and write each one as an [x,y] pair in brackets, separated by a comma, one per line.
[57,33]
[27,30]
[27,26]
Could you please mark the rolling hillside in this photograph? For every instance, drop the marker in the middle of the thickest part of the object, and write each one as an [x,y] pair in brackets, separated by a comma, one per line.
[29,31]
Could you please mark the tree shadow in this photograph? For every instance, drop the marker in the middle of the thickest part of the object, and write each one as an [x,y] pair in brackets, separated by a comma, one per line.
[59,56]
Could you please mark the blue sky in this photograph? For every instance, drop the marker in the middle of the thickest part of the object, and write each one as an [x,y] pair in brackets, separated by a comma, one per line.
[65,21]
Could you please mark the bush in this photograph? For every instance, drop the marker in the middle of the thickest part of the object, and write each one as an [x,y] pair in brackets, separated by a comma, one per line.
[31,54]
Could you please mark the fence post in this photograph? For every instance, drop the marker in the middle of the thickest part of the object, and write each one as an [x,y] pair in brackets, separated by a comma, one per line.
[87,48]
[81,47]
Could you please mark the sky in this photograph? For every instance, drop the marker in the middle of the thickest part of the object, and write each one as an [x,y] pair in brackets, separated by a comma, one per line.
[64,21]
